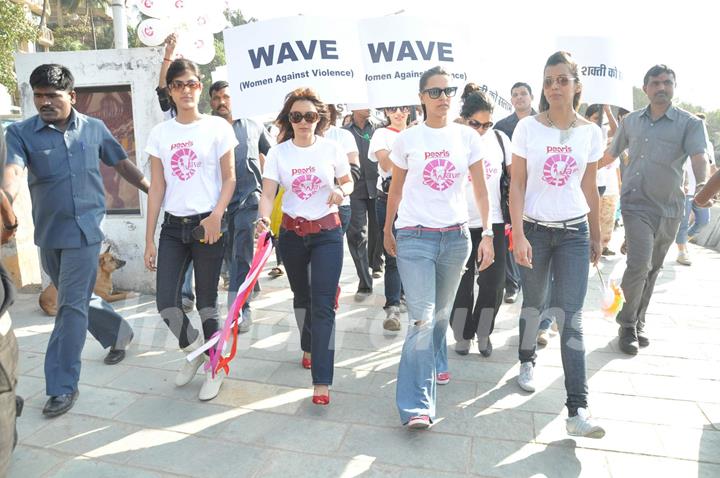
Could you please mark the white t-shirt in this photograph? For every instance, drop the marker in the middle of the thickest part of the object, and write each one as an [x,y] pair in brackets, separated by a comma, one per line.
[308,175]
[382,138]
[493,171]
[437,162]
[347,143]
[603,175]
[190,155]
[612,187]
[555,170]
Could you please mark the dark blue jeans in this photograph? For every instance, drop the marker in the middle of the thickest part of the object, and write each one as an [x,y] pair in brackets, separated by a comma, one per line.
[176,250]
[393,287]
[345,213]
[314,293]
[240,248]
[564,256]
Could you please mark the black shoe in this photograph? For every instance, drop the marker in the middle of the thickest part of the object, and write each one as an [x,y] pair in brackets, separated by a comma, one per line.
[643,339]
[114,356]
[628,340]
[60,404]
[488,349]
[511,297]
[607,252]
[377,274]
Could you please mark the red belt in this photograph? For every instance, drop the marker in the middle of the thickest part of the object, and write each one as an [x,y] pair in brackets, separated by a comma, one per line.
[303,227]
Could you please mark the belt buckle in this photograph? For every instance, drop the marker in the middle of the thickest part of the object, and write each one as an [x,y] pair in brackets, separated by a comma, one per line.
[185,220]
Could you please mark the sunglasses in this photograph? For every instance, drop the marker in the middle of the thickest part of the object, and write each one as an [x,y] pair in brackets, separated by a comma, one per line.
[435,93]
[180,85]
[477,125]
[309,116]
[561,80]
[393,109]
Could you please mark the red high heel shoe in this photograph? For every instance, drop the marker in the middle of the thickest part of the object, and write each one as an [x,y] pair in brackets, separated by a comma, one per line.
[321,399]
[306,362]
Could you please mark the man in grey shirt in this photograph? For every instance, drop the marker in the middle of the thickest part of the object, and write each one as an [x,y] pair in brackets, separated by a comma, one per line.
[659,137]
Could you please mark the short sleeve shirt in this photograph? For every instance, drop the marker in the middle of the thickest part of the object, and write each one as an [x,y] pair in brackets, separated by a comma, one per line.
[652,180]
[190,155]
[437,162]
[252,141]
[66,187]
[555,169]
[308,175]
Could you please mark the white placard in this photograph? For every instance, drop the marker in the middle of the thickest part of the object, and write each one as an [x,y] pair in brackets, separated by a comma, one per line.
[266,60]
[603,67]
[397,49]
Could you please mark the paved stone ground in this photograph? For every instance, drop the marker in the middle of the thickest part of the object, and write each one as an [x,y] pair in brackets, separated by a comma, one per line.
[661,409]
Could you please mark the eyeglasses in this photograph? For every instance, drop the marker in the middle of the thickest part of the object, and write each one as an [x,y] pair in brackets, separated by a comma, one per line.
[435,93]
[477,125]
[393,109]
[180,85]
[561,80]
[308,116]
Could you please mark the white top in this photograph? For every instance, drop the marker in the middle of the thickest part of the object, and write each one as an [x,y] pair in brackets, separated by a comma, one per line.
[612,186]
[190,155]
[382,138]
[555,170]
[437,162]
[603,175]
[347,144]
[308,176]
[493,171]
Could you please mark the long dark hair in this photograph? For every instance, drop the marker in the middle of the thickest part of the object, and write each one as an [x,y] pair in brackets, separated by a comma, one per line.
[561,58]
[301,94]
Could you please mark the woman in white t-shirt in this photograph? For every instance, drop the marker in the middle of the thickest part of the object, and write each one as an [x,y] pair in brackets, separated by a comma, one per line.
[556,231]
[472,318]
[307,165]
[431,162]
[193,179]
[347,143]
[381,145]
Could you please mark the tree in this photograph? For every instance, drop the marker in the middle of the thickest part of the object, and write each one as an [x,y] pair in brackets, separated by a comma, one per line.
[15,29]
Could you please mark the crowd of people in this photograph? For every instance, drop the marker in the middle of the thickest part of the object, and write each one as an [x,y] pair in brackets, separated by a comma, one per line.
[429,202]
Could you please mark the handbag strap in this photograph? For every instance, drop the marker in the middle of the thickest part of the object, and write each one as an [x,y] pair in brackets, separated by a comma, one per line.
[502,148]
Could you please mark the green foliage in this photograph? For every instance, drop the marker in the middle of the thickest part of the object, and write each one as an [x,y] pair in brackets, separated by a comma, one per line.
[640,99]
[14,30]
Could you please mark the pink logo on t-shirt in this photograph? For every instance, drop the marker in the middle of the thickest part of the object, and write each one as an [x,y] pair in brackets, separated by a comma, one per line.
[490,170]
[439,174]
[306,185]
[558,169]
[184,163]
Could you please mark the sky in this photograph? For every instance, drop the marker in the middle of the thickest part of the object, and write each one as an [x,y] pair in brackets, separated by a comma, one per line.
[521,33]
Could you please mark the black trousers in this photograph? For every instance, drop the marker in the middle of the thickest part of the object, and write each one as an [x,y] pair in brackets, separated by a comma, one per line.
[470,316]
[364,240]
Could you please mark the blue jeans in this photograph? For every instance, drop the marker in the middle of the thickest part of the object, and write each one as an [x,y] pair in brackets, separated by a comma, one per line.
[393,286]
[564,256]
[702,218]
[431,264]
[345,213]
[176,250]
[187,287]
[240,248]
[314,294]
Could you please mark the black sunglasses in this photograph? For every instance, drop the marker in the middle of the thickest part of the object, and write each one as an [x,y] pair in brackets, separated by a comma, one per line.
[435,93]
[477,125]
[309,116]
[180,85]
[403,109]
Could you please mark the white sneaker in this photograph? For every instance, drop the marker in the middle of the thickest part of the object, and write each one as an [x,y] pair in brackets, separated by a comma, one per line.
[543,337]
[189,369]
[525,379]
[211,386]
[582,425]
[684,259]
[245,325]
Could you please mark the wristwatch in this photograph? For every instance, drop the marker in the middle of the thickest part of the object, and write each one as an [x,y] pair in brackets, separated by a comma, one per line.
[487,233]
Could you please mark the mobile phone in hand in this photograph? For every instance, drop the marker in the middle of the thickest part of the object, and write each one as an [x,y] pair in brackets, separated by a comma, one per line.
[198,233]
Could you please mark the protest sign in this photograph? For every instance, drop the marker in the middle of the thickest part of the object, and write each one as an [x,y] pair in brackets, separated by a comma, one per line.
[266,60]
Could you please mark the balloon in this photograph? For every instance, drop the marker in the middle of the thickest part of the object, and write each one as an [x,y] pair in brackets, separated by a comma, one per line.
[196,46]
[153,31]
[155,8]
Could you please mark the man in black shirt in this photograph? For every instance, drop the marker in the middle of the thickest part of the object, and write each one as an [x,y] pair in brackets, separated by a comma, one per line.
[364,239]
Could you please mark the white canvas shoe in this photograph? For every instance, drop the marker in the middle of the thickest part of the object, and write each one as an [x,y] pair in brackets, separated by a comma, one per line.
[526,379]
[582,425]
[211,386]
[189,369]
